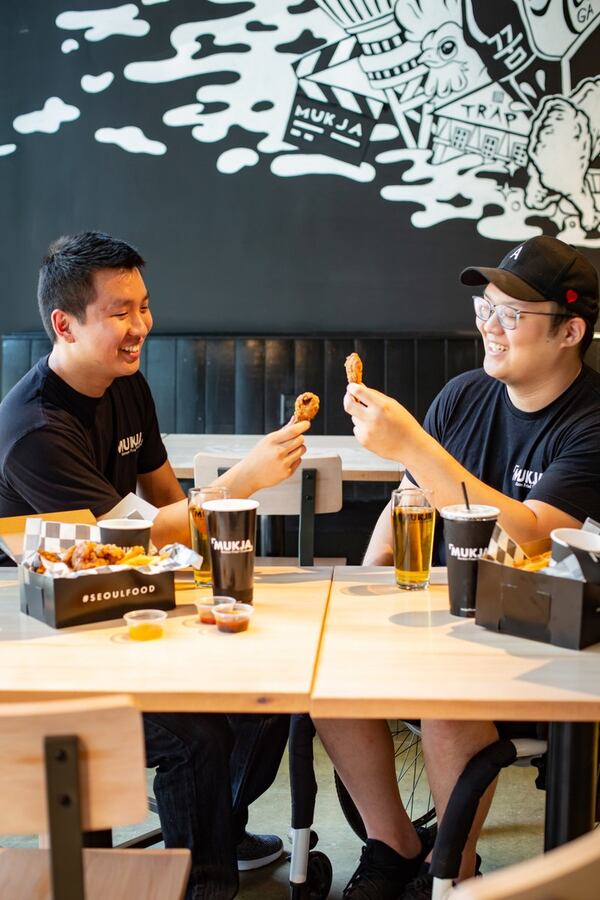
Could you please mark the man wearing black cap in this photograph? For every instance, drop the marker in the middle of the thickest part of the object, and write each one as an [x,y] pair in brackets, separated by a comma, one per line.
[523,434]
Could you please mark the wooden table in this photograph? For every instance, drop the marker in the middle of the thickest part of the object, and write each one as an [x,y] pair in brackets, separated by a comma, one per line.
[388,653]
[358,464]
[268,669]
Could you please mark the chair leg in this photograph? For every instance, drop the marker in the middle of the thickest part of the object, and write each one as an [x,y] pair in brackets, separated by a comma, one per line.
[306,526]
[64,816]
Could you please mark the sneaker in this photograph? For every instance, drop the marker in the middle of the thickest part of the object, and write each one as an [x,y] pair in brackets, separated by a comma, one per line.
[256,850]
[382,873]
[421,887]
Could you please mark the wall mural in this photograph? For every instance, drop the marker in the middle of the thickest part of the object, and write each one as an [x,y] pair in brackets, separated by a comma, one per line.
[464,108]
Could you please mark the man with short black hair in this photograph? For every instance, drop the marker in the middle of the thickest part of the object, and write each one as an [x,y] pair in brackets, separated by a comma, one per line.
[80,430]
[523,434]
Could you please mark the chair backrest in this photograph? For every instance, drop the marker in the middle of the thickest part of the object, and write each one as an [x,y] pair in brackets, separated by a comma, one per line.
[570,872]
[111,762]
[284,498]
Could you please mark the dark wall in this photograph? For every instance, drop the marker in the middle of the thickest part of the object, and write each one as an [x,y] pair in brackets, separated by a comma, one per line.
[256,251]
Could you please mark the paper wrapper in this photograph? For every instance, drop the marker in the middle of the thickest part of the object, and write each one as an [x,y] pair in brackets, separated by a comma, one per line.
[503,549]
[56,537]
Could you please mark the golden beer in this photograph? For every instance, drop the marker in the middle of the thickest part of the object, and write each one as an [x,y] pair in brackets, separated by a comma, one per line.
[199,529]
[413,545]
[199,536]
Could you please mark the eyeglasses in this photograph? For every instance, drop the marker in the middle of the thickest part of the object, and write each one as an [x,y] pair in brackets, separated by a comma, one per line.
[508,316]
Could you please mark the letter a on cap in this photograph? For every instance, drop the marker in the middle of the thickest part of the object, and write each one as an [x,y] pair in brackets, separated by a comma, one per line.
[515,255]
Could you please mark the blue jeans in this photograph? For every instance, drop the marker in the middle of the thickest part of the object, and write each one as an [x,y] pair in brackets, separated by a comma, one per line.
[209,768]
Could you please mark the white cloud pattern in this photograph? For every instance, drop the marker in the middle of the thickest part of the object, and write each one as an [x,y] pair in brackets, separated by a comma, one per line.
[190,114]
[293,164]
[7,149]
[69,45]
[94,84]
[100,24]
[237,158]
[132,139]
[49,119]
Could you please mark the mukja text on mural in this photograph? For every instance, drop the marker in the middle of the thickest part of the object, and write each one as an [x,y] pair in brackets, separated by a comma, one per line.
[463,108]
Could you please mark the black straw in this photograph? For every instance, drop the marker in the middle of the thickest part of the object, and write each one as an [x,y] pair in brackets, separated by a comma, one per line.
[465,495]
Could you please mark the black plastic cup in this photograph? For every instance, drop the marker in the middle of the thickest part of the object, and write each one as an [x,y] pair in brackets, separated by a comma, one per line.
[126,532]
[232,539]
[467,533]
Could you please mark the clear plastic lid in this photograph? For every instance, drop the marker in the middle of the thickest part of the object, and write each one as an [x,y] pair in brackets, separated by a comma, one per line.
[477,512]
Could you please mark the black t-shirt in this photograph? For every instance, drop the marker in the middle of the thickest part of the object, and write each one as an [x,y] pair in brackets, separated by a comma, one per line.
[552,455]
[60,449]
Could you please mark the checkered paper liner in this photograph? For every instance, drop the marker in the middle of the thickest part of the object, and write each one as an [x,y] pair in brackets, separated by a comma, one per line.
[56,537]
[503,549]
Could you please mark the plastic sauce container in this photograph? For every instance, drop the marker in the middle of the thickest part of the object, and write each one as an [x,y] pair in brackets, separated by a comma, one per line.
[233,617]
[206,608]
[145,624]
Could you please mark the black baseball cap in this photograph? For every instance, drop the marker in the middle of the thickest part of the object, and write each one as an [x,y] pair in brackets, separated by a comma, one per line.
[544,268]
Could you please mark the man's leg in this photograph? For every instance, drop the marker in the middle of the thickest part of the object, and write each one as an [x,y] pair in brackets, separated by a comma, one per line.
[193,795]
[259,745]
[448,746]
[362,752]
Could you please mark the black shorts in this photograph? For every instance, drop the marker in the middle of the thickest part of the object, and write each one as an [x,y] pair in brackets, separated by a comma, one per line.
[537,730]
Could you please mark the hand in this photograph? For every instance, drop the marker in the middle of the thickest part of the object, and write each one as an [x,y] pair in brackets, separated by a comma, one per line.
[380,423]
[273,459]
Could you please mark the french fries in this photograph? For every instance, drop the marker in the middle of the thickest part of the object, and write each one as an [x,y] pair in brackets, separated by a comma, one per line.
[534,563]
[142,559]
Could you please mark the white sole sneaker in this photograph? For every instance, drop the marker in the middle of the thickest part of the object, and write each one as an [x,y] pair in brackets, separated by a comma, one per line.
[244,865]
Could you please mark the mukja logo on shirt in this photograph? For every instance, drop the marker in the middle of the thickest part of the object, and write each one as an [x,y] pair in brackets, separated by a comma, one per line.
[232,546]
[130,444]
[525,477]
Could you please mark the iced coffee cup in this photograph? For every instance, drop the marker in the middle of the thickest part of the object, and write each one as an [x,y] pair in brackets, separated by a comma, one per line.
[467,533]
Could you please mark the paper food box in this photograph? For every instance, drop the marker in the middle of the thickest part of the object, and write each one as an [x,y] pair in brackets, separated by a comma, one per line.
[61,597]
[555,605]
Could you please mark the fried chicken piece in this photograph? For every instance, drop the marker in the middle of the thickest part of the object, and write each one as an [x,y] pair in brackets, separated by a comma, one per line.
[306,407]
[109,554]
[49,555]
[354,368]
[83,556]
[68,555]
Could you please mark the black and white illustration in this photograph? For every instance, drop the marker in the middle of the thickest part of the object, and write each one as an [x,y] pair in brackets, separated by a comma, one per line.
[463,109]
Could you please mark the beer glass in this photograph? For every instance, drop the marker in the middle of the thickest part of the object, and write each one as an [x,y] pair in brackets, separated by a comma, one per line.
[232,540]
[413,521]
[199,531]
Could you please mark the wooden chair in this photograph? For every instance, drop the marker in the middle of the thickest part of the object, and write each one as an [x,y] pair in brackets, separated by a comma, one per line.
[71,766]
[314,488]
[570,872]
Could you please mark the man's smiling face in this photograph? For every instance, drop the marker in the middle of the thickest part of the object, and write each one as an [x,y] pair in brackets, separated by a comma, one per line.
[109,340]
[519,357]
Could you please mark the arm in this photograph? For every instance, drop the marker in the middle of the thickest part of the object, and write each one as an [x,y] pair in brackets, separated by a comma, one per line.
[160,487]
[275,457]
[380,551]
[385,427]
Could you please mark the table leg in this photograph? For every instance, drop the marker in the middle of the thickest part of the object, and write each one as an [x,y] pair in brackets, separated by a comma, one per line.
[571,781]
